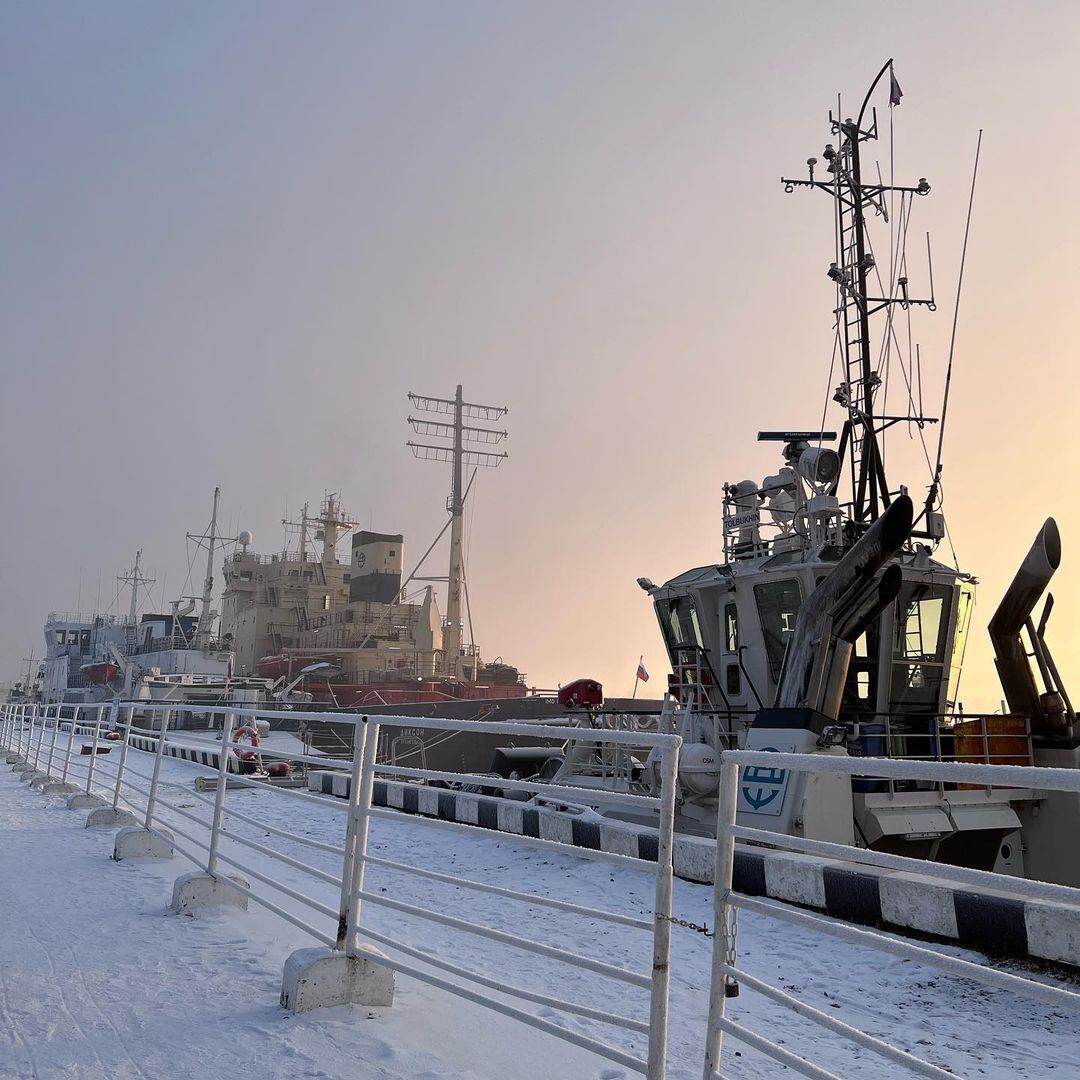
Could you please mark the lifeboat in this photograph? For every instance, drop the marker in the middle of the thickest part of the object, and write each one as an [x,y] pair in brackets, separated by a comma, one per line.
[102,672]
[273,667]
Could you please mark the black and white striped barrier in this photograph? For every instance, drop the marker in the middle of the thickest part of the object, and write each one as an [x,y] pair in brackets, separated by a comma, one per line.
[209,758]
[992,922]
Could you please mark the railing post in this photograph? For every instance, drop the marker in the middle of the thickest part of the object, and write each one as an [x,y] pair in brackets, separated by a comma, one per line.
[722,875]
[661,963]
[152,797]
[93,749]
[219,800]
[28,732]
[71,740]
[363,819]
[360,732]
[52,745]
[123,758]
[40,720]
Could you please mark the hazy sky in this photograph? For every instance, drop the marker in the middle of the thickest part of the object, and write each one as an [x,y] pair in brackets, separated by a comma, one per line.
[236,234]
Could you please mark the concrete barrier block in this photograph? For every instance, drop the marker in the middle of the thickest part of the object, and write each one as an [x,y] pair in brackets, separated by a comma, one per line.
[427,801]
[139,843]
[395,795]
[106,815]
[918,903]
[82,801]
[694,858]
[795,878]
[556,826]
[13,758]
[321,978]
[619,840]
[194,891]
[58,787]
[467,809]
[1053,931]
[510,817]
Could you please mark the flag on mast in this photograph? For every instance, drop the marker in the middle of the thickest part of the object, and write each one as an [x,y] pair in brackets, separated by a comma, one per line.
[895,93]
[642,674]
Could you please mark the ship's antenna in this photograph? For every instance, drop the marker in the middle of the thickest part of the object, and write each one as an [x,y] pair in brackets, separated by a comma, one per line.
[862,438]
[936,482]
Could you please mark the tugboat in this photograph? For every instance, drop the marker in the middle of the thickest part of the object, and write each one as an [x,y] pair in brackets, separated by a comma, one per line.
[833,624]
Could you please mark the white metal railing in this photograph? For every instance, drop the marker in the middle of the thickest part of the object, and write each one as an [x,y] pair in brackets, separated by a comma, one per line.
[726,973]
[211,842]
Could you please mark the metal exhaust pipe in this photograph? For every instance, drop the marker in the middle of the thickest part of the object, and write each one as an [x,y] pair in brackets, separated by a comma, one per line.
[1012,615]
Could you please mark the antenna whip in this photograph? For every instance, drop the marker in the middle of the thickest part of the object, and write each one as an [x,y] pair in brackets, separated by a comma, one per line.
[932,494]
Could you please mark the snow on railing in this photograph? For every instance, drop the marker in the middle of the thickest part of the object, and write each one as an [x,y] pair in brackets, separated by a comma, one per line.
[23,730]
[725,972]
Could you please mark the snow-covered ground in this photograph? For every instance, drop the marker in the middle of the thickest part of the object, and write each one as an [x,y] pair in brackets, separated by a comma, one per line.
[97,981]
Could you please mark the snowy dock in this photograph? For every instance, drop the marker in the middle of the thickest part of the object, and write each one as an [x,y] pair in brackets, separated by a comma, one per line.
[99,981]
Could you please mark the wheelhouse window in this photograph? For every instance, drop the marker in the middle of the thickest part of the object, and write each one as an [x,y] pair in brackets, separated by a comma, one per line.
[682,627]
[919,647]
[778,607]
[919,630]
[731,628]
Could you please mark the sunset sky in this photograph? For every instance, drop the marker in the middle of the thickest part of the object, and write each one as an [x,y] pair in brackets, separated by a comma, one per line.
[236,234]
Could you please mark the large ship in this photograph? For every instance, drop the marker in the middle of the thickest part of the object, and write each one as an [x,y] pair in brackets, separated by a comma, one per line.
[174,656]
[832,623]
[296,613]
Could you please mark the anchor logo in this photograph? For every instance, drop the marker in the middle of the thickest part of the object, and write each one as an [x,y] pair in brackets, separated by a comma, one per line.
[762,785]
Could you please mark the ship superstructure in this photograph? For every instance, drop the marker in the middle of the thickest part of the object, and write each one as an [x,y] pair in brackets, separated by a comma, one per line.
[176,655]
[831,624]
[381,642]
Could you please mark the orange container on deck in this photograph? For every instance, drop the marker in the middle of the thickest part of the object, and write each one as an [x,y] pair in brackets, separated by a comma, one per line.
[992,740]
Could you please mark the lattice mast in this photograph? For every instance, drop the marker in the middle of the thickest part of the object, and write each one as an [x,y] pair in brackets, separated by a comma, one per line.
[135,579]
[455,434]
[856,268]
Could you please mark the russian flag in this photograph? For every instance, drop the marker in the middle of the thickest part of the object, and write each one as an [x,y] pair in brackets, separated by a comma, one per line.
[642,674]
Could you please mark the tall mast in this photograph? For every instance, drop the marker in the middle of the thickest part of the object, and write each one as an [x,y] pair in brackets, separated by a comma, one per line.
[852,274]
[135,587]
[206,616]
[134,578]
[457,433]
[452,639]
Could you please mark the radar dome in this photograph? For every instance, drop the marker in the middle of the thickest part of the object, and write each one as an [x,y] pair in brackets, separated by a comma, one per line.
[246,538]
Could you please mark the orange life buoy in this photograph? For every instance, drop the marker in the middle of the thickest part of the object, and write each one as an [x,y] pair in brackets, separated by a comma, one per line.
[248,735]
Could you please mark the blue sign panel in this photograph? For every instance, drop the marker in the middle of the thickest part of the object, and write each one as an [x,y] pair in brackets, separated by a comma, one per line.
[763,788]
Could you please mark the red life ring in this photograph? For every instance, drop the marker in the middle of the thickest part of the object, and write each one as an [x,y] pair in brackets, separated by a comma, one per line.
[248,735]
